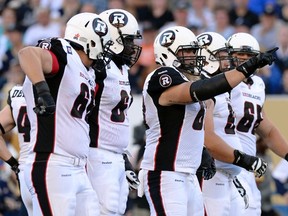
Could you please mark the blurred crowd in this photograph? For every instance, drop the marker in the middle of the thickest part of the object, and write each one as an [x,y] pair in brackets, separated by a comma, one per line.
[24,22]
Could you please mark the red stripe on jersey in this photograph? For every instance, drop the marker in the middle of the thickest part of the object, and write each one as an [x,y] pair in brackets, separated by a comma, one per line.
[96,90]
[55,63]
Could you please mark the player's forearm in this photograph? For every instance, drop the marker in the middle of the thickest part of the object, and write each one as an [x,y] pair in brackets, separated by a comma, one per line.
[4,152]
[277,142]
[218,148]
[6,120]
[234,77]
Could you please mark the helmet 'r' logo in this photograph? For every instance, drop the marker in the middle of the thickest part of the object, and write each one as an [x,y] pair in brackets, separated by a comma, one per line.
[165,80]
[167,38]
[118,19]
[100,27]
[205,39]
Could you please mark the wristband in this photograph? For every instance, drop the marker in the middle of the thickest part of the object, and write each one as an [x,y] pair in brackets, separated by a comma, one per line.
[201,90]
[41,87]
[12,161]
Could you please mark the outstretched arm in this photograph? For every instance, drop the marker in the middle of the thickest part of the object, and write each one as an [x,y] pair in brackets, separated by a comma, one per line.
[205,89]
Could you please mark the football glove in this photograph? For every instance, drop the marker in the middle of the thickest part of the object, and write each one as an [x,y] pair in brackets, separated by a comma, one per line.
[131,176]
[207,166]
[259,61]
[45,104]
[250,163]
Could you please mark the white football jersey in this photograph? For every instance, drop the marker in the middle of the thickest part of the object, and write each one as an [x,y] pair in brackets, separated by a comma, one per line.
[17,103]
[247,101]
[175,134]
[109,123]
[73,88]
[224,126]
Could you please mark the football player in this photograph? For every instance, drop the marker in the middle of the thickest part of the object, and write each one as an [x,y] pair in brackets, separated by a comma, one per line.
[174,116]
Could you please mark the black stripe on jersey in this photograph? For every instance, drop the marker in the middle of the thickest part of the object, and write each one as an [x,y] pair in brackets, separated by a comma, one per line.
[38,175]
[171,121]
[154,187]
[170,117]
[46,124]
[93,118]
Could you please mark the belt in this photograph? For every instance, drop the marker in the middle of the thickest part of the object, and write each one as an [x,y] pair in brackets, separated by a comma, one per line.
[75,161]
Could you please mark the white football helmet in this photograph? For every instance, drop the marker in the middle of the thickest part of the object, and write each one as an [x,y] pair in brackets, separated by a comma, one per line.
[243,42]
[91,32]
[176,39]
[212,44]
[124,29]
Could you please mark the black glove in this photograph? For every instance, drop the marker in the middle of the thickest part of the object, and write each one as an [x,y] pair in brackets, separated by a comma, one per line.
[207,167]
[45,104]
[250,163]
[259,61]
[131,176]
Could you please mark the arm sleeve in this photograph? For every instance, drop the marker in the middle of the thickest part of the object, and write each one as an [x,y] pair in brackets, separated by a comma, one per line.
[201,90]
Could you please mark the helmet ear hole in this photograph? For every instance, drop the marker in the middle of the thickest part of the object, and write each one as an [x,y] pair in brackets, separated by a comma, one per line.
[162,62]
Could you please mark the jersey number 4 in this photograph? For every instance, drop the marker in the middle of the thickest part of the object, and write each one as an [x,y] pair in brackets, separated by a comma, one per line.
[23,124]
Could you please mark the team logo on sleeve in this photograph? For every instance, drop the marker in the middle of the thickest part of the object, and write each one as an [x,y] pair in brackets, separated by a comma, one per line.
[165,80]
[45,45]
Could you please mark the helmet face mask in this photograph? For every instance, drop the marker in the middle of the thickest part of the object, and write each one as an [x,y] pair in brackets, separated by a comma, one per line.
[131,51]
[178,47]
[187,60]
[124,30]
[218,58]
